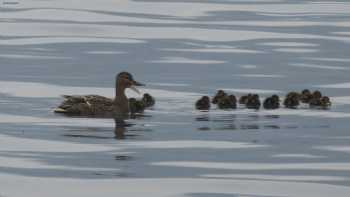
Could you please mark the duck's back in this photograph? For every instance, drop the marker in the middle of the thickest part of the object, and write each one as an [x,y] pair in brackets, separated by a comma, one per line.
[86,105]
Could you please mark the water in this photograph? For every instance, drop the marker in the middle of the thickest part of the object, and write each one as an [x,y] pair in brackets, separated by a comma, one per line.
[181,50]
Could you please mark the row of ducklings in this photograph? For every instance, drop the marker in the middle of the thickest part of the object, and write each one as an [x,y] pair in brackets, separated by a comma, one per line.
[252,101]
[138,106]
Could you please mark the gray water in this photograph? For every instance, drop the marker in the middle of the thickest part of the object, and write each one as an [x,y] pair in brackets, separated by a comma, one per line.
[181,50]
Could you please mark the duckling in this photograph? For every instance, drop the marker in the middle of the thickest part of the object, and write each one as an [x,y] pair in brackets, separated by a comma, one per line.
[315,100]
[219,94]
[272,102]
[316,94]
[136,106]
[228,102]
[305,96]
[293,94]
[253,102]
[322,103]
[148,100]
[326,102]
[291,100]
[203,103]
[244,99]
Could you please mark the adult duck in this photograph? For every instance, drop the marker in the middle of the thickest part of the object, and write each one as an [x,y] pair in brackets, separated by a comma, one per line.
[95,105]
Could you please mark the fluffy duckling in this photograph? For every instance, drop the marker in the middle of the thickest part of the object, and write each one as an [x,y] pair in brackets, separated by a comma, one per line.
[253,102]
[148,100]
[291,100]
[228,102]
[316,94]
[293,94]
[136,106]
[203,103]
[244,99]
[219,94]
[326,102]
[323,102]
[305,96]
[272,102]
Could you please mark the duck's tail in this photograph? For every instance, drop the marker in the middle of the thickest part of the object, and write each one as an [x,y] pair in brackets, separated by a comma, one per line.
[59,110]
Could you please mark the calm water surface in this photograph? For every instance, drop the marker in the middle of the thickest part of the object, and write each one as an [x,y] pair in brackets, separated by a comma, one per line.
[181,50]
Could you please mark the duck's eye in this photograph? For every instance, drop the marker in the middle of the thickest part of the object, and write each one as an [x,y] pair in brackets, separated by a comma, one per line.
[130,77]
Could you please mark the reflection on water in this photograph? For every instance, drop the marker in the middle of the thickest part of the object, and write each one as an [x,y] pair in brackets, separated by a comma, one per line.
[85,136]
[122,158]
[272,127]
[226,195]
[248,122]
[121,128]
[186,44]
[249,126]
[203,117]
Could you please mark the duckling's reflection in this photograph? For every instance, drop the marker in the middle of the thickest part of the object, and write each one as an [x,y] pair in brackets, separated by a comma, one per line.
[233,122]
[249,127]
[272,127]
[222,122]
[203,117]
[272,116]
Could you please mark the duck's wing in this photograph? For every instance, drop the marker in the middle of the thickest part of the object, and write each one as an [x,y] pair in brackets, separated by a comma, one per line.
[98,100]
[85,105]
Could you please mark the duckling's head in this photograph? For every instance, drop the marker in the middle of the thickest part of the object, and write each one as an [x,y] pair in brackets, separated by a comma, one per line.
[221,93]
[126,80]
[132,100]
[255,96]
[233,98]
[275,98]
[317,94]
[146,95]
[305,92]
[294,95]
[206,98]
[326,101]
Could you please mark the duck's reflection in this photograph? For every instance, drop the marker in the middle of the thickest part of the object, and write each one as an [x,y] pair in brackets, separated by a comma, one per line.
[122,126]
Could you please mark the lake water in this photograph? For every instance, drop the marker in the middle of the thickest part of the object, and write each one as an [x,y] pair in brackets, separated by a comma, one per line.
[181,50]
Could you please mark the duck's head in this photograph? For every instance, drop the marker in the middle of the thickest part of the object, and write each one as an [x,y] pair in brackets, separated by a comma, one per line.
[125,80]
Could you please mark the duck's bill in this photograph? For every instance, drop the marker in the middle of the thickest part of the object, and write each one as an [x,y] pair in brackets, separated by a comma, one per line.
[136,83]
[135,89]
